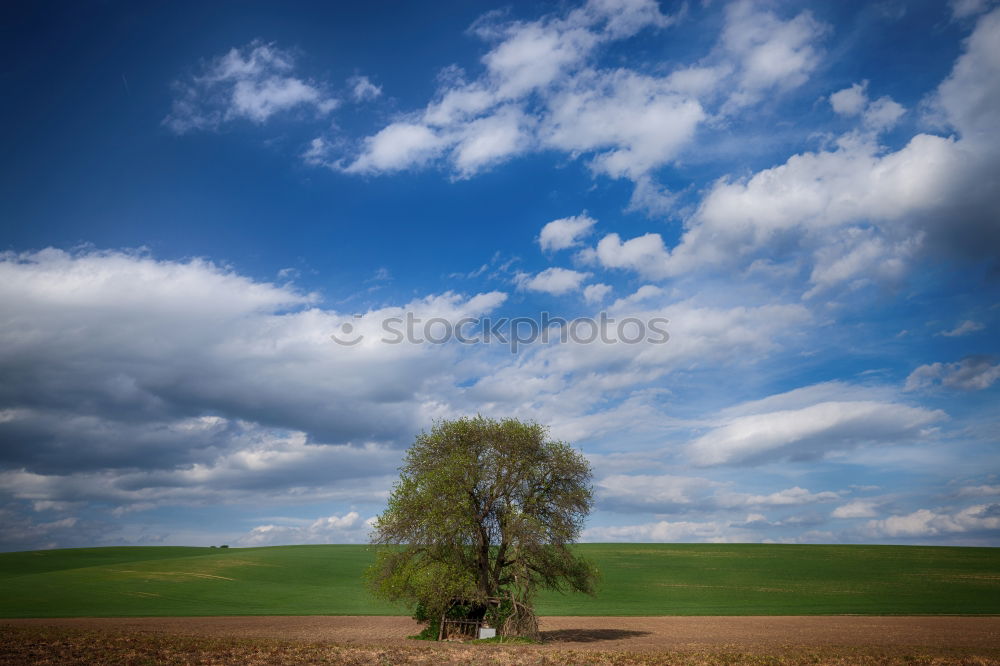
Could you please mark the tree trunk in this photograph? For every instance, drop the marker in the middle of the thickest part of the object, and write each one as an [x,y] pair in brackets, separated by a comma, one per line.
[483,564]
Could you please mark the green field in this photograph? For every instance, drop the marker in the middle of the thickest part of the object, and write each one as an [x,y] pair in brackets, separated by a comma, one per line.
[638,579]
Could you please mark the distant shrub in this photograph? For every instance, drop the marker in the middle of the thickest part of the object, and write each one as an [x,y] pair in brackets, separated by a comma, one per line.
[224,546]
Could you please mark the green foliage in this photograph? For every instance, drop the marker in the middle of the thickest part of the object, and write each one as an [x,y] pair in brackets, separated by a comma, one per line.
[496,616]
[483,508]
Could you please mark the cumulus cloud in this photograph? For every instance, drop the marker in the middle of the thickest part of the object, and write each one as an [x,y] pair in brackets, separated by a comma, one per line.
[565,232]
[630,122]
[555,281]
[813,196]
[878,115]
[850,101]
[933,523]
[863,212]
[253,83]
[883,113]
[253,465]
[164,338]
[770,53]
[646,254]
[490,139]
[348,528]
[856,509]
[138,383]
[398,146]
[596,293]
[972,373]
[567,384]
[143,383]
[539,90]
[362,89]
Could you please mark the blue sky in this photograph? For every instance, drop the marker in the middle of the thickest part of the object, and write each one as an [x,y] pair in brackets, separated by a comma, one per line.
[194,199]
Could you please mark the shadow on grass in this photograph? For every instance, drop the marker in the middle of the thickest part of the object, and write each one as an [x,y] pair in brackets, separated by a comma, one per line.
[589,635]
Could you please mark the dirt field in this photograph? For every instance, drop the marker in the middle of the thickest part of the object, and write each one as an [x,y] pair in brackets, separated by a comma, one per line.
[951,637]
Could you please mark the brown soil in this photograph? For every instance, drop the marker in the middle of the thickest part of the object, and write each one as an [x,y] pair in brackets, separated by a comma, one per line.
[632,634]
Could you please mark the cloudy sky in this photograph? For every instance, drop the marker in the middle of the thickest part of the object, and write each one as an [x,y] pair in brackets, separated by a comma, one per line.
[195,198]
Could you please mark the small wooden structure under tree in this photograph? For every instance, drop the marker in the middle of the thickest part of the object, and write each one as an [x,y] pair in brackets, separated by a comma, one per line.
[470,625]
[465,619]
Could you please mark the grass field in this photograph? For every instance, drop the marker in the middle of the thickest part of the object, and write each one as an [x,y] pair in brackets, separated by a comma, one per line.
[638,579]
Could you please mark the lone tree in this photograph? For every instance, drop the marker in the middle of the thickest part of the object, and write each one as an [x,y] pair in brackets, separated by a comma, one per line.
[484,512]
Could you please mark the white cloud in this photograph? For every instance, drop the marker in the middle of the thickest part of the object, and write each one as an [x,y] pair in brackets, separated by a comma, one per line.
[362,89]
[650,197]
[966,327]
[399,146]
[671,532]
[928,523]
[243,463]
[972,373]
[21,532]
[533,55]
[632,122]
[644,296]
[813,194]
[883,113]
[862,212]
[856,509]
[808,432]
[970,95]
[961,9]
[555,281]
[858,257]
[254,83]
[661,493]
[979,491]
[644,254]
[131,354]
[878,115]
[537,92]
[850,101]
[771,54]
[565,232]
[627,123]
[669,493]
[348,528]
[567,385]
[596,293]
[487,140]
[146,382]
[795,496]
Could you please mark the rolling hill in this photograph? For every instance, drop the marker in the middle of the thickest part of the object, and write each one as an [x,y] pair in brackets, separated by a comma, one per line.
[638,579]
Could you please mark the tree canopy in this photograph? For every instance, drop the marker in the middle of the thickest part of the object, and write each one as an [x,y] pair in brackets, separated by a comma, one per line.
[484,509]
